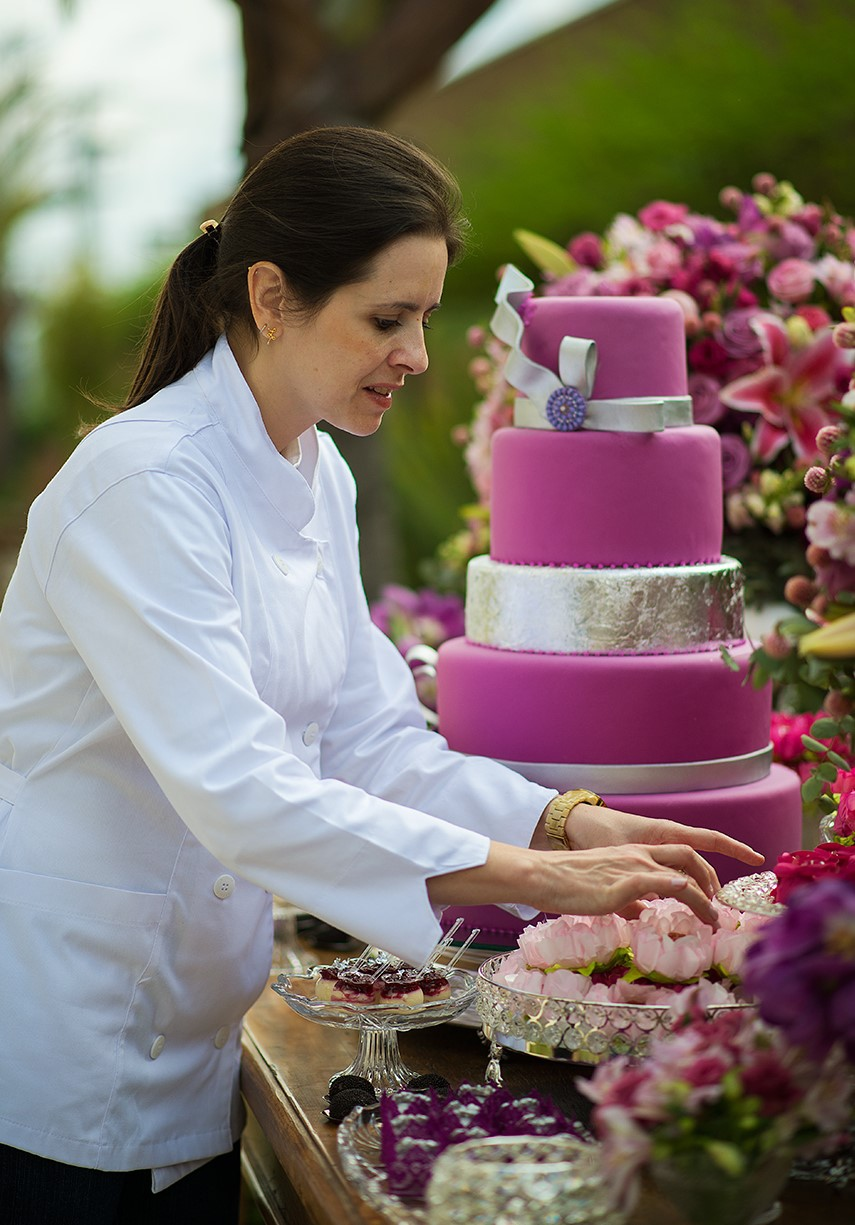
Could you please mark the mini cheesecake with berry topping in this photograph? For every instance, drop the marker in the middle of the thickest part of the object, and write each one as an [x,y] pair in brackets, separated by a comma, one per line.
[354,987]
[401,987]
[434,985]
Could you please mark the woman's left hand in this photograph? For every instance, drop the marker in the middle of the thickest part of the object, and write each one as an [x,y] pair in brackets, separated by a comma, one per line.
[590,825]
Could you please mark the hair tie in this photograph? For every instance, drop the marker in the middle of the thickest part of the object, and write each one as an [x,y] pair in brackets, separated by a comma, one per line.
[211,229]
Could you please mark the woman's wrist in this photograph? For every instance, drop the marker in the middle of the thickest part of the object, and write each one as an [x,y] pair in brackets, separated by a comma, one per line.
[557,824]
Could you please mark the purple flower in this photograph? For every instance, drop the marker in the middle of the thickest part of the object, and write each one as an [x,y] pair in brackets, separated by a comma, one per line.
[735,461]
[791,241]
[801,969]
[707,408]
[739,336]
[413,617]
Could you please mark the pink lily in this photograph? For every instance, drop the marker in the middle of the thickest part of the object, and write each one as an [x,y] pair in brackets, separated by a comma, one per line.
[789,391]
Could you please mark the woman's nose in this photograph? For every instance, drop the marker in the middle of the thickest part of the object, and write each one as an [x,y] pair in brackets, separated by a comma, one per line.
[413,353]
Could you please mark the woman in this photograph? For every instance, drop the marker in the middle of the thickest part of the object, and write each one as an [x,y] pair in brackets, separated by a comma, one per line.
[197,711]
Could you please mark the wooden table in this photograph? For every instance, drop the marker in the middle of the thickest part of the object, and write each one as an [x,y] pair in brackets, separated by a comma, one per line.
[290,1158]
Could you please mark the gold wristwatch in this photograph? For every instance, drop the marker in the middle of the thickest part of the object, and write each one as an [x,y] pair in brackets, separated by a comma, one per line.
[559,810]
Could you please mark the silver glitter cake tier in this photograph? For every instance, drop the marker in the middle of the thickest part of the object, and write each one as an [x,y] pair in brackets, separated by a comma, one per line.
[569,610]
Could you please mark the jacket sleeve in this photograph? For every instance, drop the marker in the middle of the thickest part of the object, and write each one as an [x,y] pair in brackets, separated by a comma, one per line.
[377,738]
[141,582]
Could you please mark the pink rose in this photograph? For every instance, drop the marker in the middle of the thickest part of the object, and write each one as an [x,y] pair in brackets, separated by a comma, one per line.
[838,277]
[659,214]
[677,959]
[573,941]
[709,357]
[587,249]
[844,821]
[832,526]
[663,259]
[767,1078]
[792,280]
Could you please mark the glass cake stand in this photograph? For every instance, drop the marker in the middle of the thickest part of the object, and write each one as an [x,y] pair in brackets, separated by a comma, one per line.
[751,894]
[378,1057]
[574,1031]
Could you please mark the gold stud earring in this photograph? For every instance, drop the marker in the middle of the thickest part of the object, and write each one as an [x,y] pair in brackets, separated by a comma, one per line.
[271,333]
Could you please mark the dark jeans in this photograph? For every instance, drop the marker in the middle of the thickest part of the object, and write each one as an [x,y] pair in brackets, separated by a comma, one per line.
[36,1191]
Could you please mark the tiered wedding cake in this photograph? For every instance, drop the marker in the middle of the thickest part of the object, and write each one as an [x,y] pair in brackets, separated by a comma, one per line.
[604,639]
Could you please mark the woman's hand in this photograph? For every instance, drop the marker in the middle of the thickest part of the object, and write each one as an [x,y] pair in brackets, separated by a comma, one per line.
[590,826]
[601,880]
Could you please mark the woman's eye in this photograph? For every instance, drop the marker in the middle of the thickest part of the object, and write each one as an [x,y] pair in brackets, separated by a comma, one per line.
[385,325]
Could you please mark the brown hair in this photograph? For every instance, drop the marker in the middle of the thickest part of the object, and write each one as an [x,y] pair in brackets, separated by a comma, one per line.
[320,206]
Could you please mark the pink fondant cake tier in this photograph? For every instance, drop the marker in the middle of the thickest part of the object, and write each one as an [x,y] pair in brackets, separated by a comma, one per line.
[766,814]
[524,707]
[593,498]
[641,342]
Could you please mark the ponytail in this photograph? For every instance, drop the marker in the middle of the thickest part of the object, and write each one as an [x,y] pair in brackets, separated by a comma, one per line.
[184,325]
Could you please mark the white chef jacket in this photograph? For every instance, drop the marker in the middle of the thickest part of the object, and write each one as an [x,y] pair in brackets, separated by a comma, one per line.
[196,712]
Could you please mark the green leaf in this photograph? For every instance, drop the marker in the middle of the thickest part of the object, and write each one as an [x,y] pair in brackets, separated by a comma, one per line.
[827,772]
[547,254]
[727,1157]
[796,627]
[825,729]
[840,762]
[816,745]
[812,789]
[728,659]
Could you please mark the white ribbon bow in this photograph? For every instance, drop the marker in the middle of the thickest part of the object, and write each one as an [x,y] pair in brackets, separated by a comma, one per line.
[564,403]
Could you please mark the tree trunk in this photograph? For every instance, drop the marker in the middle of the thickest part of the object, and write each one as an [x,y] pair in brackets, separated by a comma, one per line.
[302,73]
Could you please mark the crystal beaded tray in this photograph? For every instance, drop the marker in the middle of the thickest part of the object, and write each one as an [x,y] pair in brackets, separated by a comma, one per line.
[751,894]
[575,1031]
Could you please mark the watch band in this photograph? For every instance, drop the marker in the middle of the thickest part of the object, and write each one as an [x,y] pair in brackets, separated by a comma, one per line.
[559,810]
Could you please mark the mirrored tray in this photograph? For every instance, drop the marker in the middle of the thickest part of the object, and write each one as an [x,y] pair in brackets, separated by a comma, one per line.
[359,1153]
[574,1031]
[378,1057]
[751,894]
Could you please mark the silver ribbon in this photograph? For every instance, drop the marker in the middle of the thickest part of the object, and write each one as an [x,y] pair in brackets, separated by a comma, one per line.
[644,779]
[577,367]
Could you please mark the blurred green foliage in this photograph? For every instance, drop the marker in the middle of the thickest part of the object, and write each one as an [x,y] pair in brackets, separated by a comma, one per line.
[642,100]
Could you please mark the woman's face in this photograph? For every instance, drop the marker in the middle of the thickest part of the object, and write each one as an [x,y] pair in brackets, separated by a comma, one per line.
[344,365]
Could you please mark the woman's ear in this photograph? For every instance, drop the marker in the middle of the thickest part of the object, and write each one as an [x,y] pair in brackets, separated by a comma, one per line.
[266,288]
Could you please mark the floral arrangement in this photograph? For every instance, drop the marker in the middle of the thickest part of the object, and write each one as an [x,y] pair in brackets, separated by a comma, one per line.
[645,960]
[728,1090]
[829,860]
[801,969]
[810,655]
[759,293]
[418,618]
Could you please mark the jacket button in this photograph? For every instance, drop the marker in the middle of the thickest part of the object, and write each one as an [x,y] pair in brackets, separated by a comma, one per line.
[221,1037]
[157,1046]
[224,886]
[280,563]
[310,734]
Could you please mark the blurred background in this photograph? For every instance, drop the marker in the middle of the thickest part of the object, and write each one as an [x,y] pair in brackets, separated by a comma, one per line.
[122,127]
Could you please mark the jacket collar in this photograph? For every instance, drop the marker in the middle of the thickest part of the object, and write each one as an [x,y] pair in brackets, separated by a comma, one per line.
[289,489]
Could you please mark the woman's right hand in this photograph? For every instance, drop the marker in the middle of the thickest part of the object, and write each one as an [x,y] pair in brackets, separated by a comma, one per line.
[598,881]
